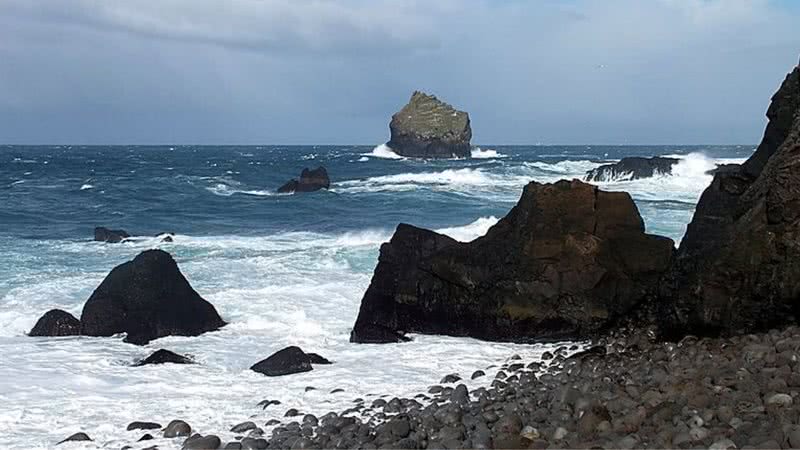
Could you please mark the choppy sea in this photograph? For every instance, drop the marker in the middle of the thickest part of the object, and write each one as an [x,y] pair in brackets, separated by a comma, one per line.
[281,269]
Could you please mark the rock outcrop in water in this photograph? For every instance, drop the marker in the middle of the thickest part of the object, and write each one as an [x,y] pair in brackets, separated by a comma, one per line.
[288,361]
[567,261]
[426,127]
[103,234]
[738,267]
[310,180]
[147,298]
[163,357]
[632,168]
[56,323]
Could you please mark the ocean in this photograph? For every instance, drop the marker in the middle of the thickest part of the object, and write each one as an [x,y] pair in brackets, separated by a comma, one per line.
[281,269]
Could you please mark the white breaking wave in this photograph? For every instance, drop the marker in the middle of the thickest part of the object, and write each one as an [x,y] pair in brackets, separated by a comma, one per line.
[470,231]
[479,153]
[274,291]
[383,151]
[225,190]
[86,186]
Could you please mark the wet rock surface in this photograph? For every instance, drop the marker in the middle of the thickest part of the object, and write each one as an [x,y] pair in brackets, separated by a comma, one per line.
[103,234]
[288,361]
[162,357]
[632,168]
[56,323]
[426,127]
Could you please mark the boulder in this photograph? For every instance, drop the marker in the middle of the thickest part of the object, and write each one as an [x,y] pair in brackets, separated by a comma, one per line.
[737,269]
[426,127]
[288,361]
[77,437]
[164,356]
[56,323]
[147,298]
[632,168]
[567,261]
[310,180]
[103,234]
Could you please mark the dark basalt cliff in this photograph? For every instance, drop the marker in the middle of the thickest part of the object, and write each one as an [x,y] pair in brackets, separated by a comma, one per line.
[568,260]
[426,127]
[737,269]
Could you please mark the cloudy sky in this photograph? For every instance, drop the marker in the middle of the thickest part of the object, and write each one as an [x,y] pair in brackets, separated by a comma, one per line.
[315,71]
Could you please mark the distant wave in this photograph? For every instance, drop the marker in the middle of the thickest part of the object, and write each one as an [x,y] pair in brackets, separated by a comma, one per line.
[86,186]
[383,151]
[479,153]
[225,190]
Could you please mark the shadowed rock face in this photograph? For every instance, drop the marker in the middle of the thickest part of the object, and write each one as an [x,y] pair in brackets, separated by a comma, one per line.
[147,298]
[310,180]
[56,323]
[632,168]
[429,128]
[737,269]
[567,261]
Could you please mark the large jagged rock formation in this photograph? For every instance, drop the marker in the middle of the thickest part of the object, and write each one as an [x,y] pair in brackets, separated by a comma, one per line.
[738,267]
[147,298]
[567,261]
[428,128]
[632,168]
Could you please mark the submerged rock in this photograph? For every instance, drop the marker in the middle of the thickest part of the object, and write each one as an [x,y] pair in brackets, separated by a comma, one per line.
[288,361]
[103,234]
[147,298]
[56,323]
[568,260]
[164,356]
[426,127]
[632,168]
[737,269]
[310,180]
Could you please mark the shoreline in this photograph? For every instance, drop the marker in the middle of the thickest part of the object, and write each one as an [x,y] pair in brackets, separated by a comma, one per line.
[736,392]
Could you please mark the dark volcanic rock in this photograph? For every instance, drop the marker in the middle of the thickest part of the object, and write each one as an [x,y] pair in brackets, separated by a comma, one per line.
[77,437]
[632,168]
[56,323]
[164,356]
[143,426]
[567,260]
[177,428]
[287,361]
[103,234]
[147,298]
[429,128]
[737,269]
[310,180]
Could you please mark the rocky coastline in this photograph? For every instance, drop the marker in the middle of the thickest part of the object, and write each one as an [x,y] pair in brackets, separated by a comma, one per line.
[697,347]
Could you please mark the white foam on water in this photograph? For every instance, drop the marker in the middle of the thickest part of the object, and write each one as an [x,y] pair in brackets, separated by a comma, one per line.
[297,288]
[383,151]
[86,186]
[479,153]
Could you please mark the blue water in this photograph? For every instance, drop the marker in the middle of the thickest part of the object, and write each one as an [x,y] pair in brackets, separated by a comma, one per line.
[210,190]
[280,269]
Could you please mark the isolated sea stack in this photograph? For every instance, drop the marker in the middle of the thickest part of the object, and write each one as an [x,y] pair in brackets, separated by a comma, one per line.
[632,168]
[147,298]
[429,128]
[567,261]
[738,266]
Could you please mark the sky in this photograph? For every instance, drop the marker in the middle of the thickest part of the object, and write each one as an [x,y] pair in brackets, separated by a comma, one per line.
[333,72]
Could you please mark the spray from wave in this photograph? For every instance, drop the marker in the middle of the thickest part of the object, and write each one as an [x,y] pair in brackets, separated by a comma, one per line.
[383,151]
[479,153]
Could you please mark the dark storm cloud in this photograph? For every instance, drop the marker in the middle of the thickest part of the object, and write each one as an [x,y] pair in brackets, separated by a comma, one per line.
[297,71]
